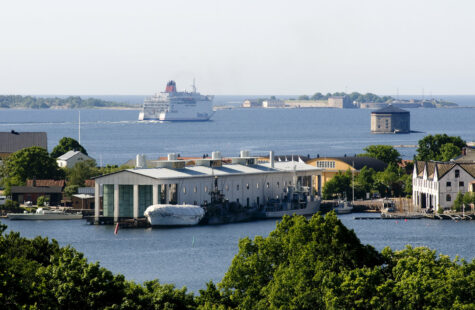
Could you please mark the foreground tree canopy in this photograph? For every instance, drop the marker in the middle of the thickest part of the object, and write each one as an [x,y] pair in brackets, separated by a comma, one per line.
[65,145]
[302,264]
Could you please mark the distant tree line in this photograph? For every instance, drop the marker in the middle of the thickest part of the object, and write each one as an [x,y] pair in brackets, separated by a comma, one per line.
[71,102]
[303,264]
[354,96]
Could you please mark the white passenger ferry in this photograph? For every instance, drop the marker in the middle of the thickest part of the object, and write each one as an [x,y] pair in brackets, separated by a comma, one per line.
[171,105]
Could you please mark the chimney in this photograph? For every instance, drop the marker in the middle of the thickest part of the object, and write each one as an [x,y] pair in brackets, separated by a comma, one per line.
[216,155]
[172,156]
[271,159]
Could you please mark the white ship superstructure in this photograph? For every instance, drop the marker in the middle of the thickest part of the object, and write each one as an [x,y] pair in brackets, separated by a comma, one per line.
[171,105]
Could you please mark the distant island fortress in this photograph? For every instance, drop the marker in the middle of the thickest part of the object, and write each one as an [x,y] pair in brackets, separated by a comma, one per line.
[344,102]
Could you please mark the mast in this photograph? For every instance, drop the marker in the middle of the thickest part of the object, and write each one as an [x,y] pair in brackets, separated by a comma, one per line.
[79,128]
[353,183]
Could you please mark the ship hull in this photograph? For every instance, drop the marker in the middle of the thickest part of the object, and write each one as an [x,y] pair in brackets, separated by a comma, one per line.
[311,208]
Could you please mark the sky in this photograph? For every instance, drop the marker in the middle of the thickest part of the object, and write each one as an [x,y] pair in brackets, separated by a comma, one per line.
[237,47]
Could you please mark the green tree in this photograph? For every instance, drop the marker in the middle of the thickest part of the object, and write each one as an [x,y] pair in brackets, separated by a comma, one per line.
[364,182]
[338,186]
[449,151]
[40,202]
[82,171]
[389,182]
[431,147]
[29,163]
[386,153]
[65,145]
[289,268]
[457,206]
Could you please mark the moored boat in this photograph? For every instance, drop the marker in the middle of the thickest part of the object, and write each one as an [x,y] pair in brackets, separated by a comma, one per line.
[298,201]
[174,215]
[343,207]
[42,214]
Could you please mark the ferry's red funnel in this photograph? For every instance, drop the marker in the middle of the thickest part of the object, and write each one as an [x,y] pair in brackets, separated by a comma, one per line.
[171,87]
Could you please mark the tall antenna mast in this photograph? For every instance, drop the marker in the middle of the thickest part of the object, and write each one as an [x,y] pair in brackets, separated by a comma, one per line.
[79,128]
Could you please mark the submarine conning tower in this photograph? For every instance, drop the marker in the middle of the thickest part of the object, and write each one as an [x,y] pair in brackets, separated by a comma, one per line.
[171,87]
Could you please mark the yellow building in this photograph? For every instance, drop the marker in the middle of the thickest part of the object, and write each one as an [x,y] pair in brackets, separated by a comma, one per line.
[332,165]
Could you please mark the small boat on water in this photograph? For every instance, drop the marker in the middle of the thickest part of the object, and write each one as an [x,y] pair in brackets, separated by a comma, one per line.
[298,201]
[343,207]
[43,214]
[174,215]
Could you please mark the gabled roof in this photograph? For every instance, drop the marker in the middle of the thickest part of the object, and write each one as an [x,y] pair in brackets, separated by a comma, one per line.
[390,109]
[469,167]
[13,141]
[444,168]
[70,154]
[59,183]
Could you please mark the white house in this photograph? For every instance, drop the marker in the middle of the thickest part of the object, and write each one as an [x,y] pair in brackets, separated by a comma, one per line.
[70,158]
[129,192]
[436,184]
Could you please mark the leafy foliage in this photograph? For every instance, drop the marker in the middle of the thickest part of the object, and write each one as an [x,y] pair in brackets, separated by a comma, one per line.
[439,147]
[65,145]
[392,182]
[29,163]
[386,153]
[37,273]
[10,206]
[290,267]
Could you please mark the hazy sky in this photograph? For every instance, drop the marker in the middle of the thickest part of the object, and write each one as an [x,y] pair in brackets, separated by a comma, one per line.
[237,47]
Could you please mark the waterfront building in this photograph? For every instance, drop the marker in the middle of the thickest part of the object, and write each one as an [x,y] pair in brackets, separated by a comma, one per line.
[436,184]
[338,102]
[331,166]
[13,141]
[252,103]
[69,159]
[273,103]
[390,120]
[126,194]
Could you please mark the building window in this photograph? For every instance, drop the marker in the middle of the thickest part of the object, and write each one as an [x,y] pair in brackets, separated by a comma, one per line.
[206,189]
[257,185]
[247,186]
[237,188]
[194,189]
[448,197]
[461,184]
[278,184]
[184,190]
[457,173]
[267,185]
[448,184]
[227,187]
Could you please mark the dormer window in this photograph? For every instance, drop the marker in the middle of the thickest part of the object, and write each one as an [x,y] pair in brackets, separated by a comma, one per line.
[457,173]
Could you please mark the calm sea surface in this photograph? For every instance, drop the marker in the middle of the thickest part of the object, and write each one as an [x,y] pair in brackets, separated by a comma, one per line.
[192,256]
[115,136]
